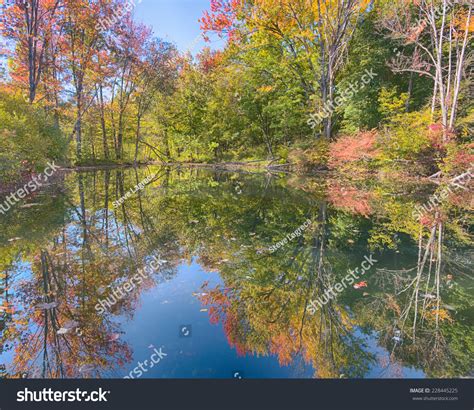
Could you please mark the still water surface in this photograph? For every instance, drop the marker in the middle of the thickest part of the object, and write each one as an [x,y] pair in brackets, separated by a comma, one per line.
[219,303]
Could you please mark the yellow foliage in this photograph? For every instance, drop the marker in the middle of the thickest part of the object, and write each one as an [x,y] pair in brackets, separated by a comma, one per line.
[442,314]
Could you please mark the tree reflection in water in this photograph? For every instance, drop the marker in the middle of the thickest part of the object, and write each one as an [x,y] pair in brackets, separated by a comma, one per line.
[58,260]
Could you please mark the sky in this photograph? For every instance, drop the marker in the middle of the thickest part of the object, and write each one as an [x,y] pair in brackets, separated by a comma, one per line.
[176,21]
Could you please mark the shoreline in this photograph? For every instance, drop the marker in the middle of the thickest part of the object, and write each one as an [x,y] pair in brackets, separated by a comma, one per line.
[255,167]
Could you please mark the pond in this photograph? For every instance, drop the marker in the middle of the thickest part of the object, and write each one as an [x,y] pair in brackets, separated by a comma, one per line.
[166,272]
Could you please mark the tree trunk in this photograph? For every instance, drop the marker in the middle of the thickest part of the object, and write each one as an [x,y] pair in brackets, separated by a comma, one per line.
[102,123]
[78,127]
[410,91]
[137,141]
[458,78]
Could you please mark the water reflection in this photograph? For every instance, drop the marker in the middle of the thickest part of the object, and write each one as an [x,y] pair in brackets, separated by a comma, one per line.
[69,249]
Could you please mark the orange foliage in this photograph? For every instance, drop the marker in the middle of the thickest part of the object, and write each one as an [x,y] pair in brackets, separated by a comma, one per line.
[209,60]
[463,160]
[283,346]
[350,198]
[221,19]
[353,148]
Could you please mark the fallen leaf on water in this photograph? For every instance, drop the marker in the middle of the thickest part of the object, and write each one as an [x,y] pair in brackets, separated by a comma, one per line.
[113,337]
[360,285]
[86,368]
[29,205]
[47,306]
[71,324]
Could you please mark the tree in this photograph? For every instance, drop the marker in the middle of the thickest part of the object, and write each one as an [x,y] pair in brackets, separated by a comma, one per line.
[32,24]
[439,33]
[156,73]
[82,34]
[315,34]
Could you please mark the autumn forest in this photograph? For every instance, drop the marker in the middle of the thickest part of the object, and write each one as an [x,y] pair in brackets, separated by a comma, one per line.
[304,139]
[91,88]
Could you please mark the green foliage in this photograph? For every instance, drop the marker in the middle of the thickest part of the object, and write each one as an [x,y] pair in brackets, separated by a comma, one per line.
[407,134]
[28,136]
[312,157]
[237,107]
[369,51]
[392,104]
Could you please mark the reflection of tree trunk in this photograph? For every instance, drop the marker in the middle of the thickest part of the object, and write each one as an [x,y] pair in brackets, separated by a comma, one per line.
[438,270]
[331,329]
[106,208]
[125,223]
[44,273]
[83,208]
[94,189]
[84,232]
[431,251]
[140,204]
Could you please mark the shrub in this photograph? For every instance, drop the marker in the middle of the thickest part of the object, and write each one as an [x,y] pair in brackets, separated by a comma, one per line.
[407,136]
[314,157]
[353,148]
[459,159]
[29,138]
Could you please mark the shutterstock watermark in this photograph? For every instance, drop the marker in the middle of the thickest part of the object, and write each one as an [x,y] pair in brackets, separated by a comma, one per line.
[348,93]
[297,233]
[459,182]
[32,186]
[117,14]
[155,358]
[50,395]
[339,287]
[132,191]
[121,291]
